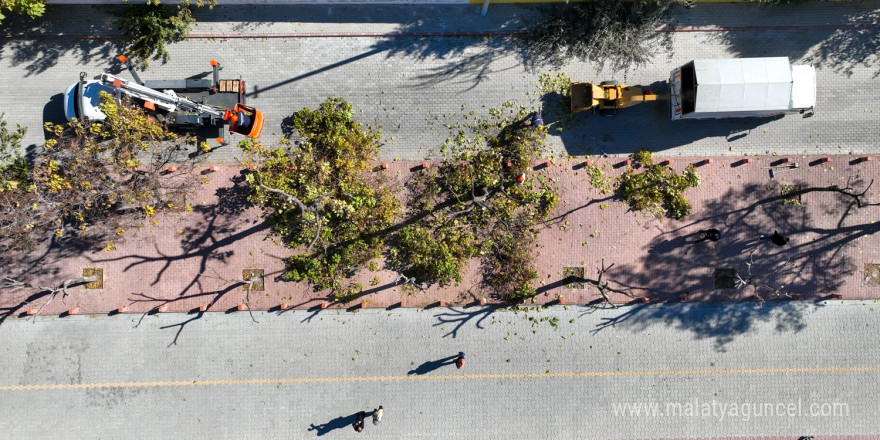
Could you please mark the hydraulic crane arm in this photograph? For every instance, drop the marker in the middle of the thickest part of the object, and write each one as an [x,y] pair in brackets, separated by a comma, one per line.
[164,100]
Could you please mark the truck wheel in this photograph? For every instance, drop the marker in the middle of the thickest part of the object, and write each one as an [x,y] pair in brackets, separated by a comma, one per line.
[608,83]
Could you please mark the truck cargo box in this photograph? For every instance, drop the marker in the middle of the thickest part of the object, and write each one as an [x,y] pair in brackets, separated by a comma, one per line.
[740,88]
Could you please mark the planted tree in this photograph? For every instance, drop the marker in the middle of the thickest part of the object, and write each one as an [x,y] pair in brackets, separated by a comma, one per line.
[321,198]
[606,32]
[31,8]
[149,27]
[96,180]
[656,188]
[478,203]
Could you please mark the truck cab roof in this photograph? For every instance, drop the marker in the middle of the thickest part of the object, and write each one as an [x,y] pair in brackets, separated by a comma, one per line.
[89,94]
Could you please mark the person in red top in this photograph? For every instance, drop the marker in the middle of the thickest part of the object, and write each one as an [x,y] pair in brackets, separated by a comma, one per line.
[459,361]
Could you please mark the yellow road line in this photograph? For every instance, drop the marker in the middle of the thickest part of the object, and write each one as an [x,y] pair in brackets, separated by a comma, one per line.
[569,374]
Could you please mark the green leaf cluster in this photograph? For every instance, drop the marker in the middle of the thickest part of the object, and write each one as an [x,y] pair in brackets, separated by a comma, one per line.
[149,27]
[327,171]
[31,8]
[656,188]
[13,167]
[91,180]
[471,206]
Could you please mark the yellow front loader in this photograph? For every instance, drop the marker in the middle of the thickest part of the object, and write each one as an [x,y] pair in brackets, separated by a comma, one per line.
[608,97]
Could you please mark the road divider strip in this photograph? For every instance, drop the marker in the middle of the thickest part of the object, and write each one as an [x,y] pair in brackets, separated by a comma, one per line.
[416,378]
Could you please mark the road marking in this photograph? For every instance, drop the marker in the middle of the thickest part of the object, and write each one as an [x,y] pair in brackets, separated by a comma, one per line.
[568,374]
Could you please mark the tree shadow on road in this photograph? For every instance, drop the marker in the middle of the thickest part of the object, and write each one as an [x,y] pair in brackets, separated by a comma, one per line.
[851,45]
[460,316]
[720,322]
[37,55]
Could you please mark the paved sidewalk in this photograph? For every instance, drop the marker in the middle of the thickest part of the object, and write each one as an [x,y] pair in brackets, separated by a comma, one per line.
[184,260]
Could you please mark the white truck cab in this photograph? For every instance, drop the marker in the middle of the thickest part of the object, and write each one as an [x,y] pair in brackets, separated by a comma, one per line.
[81,100]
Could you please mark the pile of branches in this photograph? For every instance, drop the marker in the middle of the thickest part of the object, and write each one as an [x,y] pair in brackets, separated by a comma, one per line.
[95,180]
[320,197]
[478,204]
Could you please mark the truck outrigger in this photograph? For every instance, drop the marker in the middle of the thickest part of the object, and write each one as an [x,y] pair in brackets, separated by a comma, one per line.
[196,105]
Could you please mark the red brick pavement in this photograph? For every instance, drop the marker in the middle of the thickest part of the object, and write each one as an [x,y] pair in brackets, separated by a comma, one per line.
[188,259]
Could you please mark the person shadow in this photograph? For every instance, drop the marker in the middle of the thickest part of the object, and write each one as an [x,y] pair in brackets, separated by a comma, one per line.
[337,423]
[430,366]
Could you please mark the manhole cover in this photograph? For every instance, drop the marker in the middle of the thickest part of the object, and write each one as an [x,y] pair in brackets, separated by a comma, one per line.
[98,272]
[872,274]
[725,278]
[249,274]
[573,273]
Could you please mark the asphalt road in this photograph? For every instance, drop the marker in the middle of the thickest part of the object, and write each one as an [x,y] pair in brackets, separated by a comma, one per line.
[555,374]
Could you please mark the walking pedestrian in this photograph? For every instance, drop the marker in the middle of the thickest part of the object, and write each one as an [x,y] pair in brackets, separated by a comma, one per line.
[709,234]
[777,238]
[359,421]
[459,361]
[377,415]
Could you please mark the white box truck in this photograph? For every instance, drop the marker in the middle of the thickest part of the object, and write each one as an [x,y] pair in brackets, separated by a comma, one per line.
[741,88]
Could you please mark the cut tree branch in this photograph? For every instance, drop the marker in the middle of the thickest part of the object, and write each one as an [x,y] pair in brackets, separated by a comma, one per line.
[52,291]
